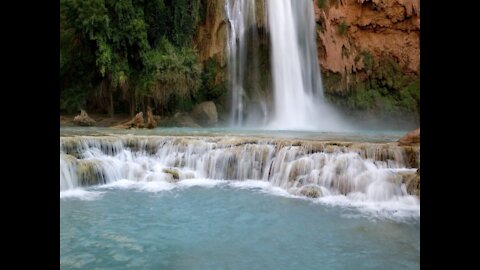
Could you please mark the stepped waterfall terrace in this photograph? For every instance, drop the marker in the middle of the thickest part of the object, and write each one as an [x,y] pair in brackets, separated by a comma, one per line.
[360,172]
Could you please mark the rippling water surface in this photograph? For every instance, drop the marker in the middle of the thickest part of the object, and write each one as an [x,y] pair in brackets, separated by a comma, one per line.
[224,225]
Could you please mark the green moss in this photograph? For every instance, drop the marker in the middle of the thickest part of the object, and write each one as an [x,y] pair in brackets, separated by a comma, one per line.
[331,81]
[410,96]
[333,2]
[357,58]
[388,90]
[320,26]
[367,60]
[342,28]
[214,83]
[322,3]
[345,52]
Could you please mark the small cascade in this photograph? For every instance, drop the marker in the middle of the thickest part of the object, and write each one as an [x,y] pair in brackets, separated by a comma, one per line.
[364,171]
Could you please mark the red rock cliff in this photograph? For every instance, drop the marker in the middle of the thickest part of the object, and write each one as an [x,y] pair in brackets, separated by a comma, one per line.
[349,27]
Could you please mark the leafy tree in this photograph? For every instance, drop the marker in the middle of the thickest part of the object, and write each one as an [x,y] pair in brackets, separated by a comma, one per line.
[117,54]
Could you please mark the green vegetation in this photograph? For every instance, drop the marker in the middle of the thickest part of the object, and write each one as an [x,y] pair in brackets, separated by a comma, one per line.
[170,74]
[387,90]
[213,81]
[367,60]
[124,55]
[334,2]
[322,3]
[342,28]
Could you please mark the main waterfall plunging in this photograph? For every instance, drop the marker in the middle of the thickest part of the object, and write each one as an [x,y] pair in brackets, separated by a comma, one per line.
[297,101]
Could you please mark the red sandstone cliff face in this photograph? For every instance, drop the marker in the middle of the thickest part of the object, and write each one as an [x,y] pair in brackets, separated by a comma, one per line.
[376,26]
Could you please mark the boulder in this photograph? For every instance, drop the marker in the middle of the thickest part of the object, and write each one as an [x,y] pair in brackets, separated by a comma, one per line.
[411,138]
[184,120]
[83,119]
[311,191]
[412,182]
[172,172]
[205,113]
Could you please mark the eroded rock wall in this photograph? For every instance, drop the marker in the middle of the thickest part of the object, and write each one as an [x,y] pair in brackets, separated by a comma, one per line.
[347,28]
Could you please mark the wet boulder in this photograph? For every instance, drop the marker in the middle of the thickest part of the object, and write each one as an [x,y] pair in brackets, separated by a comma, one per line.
[311,191]
[205,113]
[174,173]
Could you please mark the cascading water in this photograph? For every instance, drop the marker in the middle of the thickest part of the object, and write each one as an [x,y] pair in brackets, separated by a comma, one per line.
[243,62]
[297,101]
[361,172]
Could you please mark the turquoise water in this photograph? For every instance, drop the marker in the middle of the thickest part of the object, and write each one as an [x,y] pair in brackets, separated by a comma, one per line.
[357,136]
[225,227]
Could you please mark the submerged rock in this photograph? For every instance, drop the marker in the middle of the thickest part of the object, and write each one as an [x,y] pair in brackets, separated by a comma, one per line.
[205,113]
[90,172]
[412,137]
[174,173]
[83,119]
[311,191]
[412,182]
[414,187]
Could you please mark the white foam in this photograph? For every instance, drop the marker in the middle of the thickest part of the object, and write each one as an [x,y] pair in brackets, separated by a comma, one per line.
[249,184]
[263,186]
[157,186]
[80,194]
[148,186]
[399,209]
[120,184]
[203,182]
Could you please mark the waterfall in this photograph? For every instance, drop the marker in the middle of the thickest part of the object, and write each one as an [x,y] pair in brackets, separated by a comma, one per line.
[297,100]
[243,63]
[365,171]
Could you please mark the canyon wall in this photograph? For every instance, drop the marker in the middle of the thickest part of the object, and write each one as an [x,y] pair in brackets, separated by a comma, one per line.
[369,53]
[347,29]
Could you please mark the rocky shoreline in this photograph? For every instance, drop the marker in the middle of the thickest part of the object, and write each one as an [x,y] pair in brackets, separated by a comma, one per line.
[202,115]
